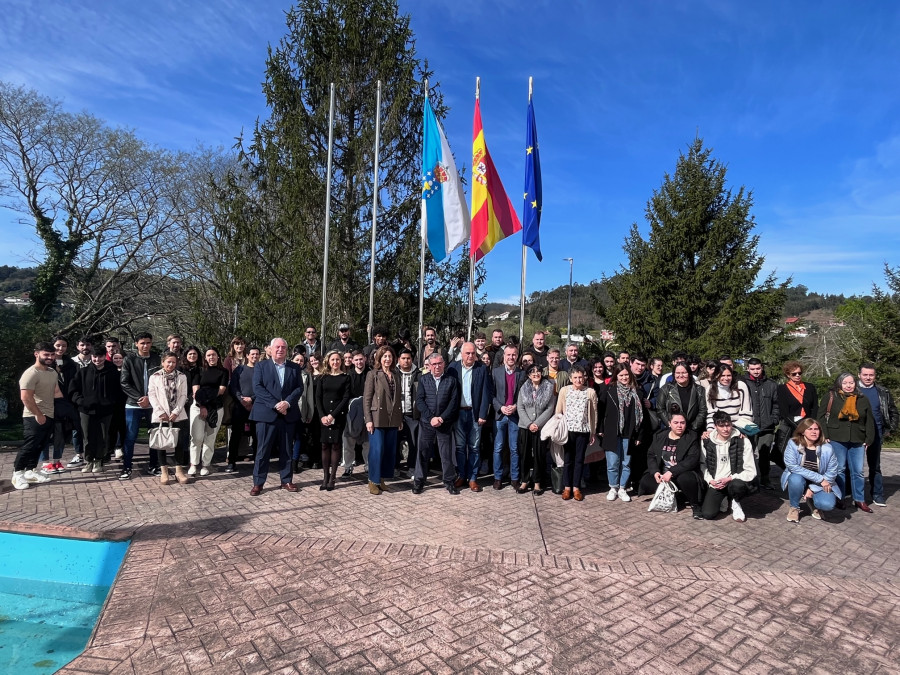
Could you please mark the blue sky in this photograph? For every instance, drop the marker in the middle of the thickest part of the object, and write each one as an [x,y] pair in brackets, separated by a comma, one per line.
[801,100]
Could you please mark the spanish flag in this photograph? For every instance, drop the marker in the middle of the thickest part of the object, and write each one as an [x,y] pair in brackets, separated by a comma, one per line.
[493,215]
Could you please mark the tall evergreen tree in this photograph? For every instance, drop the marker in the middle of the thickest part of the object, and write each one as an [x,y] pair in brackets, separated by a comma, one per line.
[272,210]
[872,331]
[691,284]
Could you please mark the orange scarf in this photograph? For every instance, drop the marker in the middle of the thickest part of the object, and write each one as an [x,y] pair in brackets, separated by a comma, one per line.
[848,411]
[797,390]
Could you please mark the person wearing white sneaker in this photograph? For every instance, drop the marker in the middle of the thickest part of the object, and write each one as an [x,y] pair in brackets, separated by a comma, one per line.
[621,412]
[728,467]
[38,387]
[612,494]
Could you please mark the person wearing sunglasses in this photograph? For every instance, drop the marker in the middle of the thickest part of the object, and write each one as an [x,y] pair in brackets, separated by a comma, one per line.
[797,400]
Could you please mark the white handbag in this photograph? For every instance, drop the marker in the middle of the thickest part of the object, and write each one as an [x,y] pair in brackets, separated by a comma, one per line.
[164,438]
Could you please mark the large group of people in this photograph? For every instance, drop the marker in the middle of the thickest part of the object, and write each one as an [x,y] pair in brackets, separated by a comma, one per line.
[538,418]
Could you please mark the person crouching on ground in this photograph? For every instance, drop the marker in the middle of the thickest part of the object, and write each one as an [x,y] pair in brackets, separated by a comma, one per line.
[674,456]
[810,471]
[728,468]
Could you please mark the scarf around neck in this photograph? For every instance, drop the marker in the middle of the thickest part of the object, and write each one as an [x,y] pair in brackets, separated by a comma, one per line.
[848,410]
[627,396]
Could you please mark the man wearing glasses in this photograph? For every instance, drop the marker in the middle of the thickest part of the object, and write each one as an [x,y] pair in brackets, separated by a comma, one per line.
[728,468]
[311,342]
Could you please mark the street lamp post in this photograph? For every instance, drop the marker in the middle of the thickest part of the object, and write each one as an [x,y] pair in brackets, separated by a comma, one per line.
[569,325]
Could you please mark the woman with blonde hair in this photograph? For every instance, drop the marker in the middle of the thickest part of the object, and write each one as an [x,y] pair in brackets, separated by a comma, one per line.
[811,469]
[332,401]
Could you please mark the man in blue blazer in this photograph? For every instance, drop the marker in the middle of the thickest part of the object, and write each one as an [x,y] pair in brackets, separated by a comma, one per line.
[475,401]
[277,387]
[507,380]
[437,399]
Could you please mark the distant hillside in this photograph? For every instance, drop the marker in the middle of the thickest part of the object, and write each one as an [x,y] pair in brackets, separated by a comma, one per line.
[549,308]
[16,280]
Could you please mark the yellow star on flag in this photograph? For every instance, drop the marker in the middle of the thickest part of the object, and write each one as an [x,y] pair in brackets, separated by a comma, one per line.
[528,150]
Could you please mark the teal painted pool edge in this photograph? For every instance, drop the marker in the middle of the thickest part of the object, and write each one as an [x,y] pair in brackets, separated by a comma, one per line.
[71,561]
[52,591]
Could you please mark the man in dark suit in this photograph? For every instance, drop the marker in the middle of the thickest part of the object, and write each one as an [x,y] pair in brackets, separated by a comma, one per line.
[508,379]
[475,400]
[277,387]
[437,399]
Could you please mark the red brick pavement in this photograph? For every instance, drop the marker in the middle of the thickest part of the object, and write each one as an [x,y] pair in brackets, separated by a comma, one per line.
[493,582]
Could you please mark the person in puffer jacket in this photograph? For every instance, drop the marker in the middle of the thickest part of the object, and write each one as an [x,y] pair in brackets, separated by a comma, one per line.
[728,468]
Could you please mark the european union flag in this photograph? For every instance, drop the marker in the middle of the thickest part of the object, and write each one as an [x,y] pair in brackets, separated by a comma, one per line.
[531,217]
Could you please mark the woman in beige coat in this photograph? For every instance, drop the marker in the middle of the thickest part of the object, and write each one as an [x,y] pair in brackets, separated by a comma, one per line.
[384,417]
[167,391]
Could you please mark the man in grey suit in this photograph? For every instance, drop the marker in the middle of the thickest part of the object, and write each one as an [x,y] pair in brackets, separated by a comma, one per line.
[437,399]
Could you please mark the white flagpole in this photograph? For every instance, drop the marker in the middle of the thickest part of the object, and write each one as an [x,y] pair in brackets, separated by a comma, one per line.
[524,252]
[420,347]
[374,212]
[327,208]
[471,250]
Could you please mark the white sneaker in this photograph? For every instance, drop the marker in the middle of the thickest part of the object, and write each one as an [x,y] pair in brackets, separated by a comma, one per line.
[88,466]
[119,454]
[76,461]
[33,477]
[98,467]
[623,495]
[193,470]
[611,495]
[204,471]
[723,507]
[737,512]
[18,480]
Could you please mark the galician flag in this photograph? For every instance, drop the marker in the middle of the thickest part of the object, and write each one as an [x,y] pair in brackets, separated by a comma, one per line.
[444,210]
[493,215]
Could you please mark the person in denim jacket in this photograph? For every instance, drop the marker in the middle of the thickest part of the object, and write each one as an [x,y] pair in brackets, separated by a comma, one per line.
[810,471]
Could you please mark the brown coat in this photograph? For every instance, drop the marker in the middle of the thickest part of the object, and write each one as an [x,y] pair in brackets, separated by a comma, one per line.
[381,402]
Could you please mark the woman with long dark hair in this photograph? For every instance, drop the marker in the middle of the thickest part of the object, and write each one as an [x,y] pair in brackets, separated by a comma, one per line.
[209,386]
[683,392]
[674,457]
[728,394]
[622,412]
[846,418]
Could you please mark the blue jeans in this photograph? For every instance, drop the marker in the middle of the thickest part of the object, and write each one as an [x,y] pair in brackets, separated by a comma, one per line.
[850,455]
[133,417]
[468,445]
[824,501]
[873,457]
[507,428]
[382,453]
[618,464]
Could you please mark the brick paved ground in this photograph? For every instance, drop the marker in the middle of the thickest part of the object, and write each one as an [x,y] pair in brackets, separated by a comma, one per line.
[493,582]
